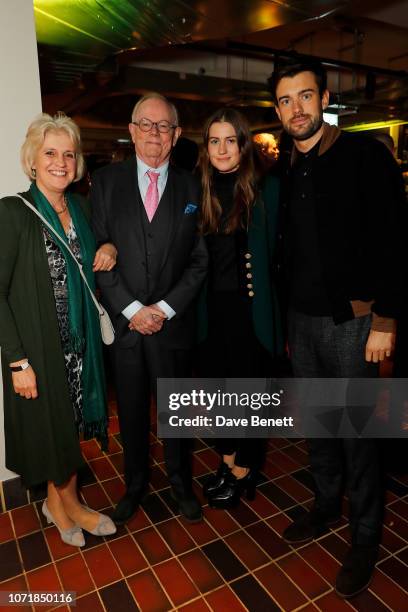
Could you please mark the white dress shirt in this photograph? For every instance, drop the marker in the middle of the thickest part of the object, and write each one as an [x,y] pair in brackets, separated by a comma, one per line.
[144,182]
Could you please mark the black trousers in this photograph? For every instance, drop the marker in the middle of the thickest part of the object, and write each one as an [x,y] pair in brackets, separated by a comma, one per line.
[136,370]
[232,350]
[321,349]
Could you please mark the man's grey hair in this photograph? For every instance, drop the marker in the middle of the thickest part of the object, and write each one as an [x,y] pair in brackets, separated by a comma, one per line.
[153,95]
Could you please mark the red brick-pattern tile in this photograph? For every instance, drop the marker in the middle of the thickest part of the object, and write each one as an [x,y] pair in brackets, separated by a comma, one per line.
[113,446]
[201,571]
[294,488]
[102,468]
[321,561]
[306,578]
[190,582]
[396,570]
[272,544]
[176,582]
[198,605]
[18,583]
[271,470]
[210,458]
[403,556]
[148,593]
[402,478]
[302,444]
[400,507]
[297,455]
[262,506]
[368,601]
[198,491]
[113,425]
[89,603]
[283,591]
[221,521]
[243,515]
[44,578]
[139,521]
[158,478]
[95,497]
[175,536]
[335,545]
[396,523]
[102,565]
[152,545]
[332,603]
[57,547]
[201,533]
[90,449]
[15,584]
[6,529]
[74,575]
[118,462]
[198,467]
[224,599]
[127,555]
[114,488]
[284,463]
[279,522]
[251,555]
[390,497]
[391,541]
[387,590]
[25,520]
[275,443]
[157,452]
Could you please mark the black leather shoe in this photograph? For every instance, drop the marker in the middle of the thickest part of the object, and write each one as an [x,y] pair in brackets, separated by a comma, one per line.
[128,506]
[310,526]
[189,507]
[229,494]
[357,571]
[217,480]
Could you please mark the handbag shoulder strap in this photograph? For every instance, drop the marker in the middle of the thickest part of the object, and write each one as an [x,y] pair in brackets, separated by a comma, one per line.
[66,245]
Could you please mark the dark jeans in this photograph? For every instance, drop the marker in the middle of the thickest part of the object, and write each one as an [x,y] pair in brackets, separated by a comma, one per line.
[321,349]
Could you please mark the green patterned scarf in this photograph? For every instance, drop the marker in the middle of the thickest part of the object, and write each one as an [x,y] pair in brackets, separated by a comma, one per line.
[85,336]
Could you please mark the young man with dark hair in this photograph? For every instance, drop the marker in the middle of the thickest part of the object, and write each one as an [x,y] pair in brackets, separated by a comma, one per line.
[341,205]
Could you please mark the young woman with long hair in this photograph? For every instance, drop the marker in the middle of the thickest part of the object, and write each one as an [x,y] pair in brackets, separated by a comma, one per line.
[239,322]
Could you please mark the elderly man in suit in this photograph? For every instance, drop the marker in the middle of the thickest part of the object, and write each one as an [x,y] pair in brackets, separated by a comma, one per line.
[148,209]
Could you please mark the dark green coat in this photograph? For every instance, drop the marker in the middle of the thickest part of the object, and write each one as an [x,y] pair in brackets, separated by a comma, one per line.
[40,435]
[261,246]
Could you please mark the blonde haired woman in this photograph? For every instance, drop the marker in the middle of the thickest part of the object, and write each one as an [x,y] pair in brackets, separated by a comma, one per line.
[49,330]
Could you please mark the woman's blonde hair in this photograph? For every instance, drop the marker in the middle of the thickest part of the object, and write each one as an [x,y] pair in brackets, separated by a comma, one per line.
[36,134]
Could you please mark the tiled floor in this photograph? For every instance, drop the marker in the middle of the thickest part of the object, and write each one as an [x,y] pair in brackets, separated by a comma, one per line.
[231,561]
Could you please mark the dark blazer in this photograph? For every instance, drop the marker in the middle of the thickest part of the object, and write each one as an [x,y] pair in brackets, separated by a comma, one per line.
[261,246]
[360,204]
[116,217]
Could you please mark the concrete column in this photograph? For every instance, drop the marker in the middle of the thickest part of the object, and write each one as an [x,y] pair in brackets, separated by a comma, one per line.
[20,101]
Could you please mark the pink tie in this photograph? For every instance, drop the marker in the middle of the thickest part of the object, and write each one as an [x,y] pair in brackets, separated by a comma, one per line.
[152,195]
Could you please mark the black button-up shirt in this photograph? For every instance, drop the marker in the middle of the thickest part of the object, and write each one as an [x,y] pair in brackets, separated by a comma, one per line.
[307,292]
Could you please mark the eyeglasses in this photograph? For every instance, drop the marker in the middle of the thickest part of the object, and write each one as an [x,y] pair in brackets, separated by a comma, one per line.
[146,125]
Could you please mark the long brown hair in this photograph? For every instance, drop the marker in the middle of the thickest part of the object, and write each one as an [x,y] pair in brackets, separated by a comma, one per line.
[244,190]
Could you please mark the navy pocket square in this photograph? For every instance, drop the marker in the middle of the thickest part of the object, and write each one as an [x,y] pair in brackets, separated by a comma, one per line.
[190,208]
